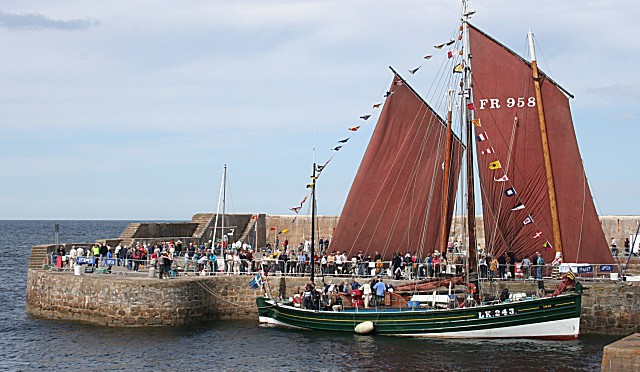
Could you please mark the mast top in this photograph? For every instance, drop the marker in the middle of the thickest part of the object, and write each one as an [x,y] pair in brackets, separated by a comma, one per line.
[532,49]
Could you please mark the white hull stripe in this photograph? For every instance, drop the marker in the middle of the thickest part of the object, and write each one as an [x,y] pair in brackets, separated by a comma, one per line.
[551,329]
[555,328]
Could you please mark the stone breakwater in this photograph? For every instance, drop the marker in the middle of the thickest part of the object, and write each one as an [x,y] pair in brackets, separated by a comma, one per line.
[607,307]
[142,301]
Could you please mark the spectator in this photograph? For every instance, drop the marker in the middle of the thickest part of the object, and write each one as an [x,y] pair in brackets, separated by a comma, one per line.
[380,289]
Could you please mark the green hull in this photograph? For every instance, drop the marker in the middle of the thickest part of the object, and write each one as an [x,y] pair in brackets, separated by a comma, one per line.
[552,317]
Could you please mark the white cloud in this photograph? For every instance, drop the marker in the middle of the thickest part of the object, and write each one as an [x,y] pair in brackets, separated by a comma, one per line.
[34,21]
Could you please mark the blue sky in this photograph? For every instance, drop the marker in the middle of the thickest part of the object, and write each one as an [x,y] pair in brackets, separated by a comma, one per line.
[115,110]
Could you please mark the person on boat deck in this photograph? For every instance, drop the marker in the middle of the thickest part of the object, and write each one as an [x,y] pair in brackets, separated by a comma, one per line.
[342,288]
[380,289]
[502,265]
[354,284]
[325,294]
[309,288]
[366,294]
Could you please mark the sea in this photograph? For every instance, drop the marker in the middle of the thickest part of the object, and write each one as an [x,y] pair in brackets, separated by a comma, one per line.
[28,343]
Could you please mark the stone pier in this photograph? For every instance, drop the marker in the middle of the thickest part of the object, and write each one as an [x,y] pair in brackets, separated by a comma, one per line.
[126,300]
[622,355]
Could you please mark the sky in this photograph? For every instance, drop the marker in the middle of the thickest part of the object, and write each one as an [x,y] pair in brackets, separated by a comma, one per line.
[130,110]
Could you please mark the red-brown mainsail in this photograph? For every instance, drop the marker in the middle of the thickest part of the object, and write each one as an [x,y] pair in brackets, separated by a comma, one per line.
[394,204]
[505,103]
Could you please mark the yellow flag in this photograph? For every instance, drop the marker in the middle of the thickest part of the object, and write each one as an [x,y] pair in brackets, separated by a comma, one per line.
[284,231]
[476,122]
[495,165]
[458,68]
[310,185]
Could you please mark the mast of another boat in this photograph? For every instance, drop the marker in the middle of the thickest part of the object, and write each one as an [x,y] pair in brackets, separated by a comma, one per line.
[313,220]
[215,224]
[472,245]
[224,202]
[553,205]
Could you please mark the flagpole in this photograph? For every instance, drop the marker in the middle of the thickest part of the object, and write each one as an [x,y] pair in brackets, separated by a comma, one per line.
[215,225]
[553,204]
[313,218]
[224,201]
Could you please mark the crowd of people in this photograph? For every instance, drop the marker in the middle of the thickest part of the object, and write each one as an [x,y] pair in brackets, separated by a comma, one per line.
[504,266]
[169,258]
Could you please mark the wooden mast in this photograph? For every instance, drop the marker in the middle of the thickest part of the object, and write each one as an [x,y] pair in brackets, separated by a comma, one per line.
[553,205]
[472,259]
[444,231]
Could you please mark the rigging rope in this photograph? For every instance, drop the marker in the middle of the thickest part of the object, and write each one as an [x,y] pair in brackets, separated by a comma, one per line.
[211,292]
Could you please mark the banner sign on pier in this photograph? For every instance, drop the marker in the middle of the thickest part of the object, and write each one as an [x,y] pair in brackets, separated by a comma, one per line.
[85,260]
[585,269]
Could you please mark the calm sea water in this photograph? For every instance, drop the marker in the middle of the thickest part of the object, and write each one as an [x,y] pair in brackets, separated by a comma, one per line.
[28,343]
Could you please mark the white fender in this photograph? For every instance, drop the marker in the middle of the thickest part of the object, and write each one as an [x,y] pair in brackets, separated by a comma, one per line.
[364,328]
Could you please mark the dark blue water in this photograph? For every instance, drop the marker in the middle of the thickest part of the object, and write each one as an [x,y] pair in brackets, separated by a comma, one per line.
[28,343]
